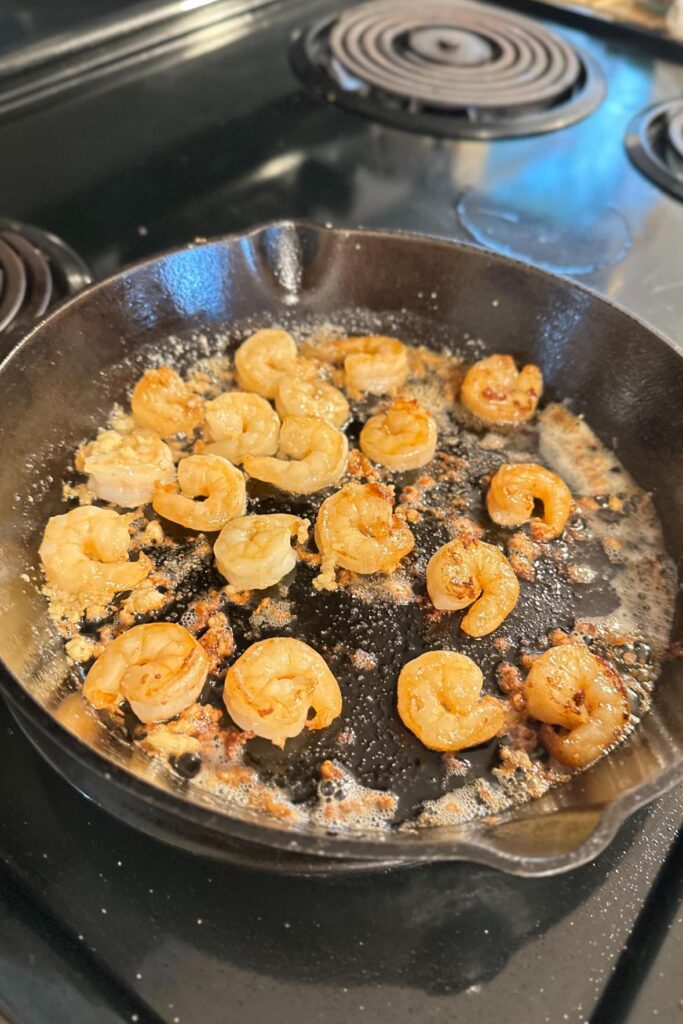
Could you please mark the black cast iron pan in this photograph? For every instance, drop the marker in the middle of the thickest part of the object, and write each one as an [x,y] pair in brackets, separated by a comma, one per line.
[61,381]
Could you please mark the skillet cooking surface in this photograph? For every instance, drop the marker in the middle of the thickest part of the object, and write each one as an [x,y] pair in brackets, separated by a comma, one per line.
[626,380]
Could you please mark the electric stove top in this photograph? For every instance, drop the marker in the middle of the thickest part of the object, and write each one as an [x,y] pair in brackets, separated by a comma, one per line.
[284,109]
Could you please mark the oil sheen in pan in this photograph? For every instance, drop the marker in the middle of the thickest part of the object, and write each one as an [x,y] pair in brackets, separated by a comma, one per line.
[369,628]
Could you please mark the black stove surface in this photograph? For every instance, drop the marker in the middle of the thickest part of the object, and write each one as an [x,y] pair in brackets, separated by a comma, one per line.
[34,21]
[98,923]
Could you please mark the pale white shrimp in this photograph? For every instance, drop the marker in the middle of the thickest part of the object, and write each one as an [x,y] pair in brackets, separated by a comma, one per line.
[373,363]
[271,688]
[465,571]
[356,529]
[513,491]
[163,402]
[301,396]
[125,468]
[85,552]
[265,359]
[312,455]
[497,392]
[571,688]
[255,552]
[159,668]
[208,476]
[239,423]
[403,437]
[439,699]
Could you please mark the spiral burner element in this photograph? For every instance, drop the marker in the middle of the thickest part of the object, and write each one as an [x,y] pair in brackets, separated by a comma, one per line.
[37,270]
[654,142]
[449,68]
[675,132]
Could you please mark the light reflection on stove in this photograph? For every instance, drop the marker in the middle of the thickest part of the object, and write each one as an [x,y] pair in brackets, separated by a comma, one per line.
[561,208]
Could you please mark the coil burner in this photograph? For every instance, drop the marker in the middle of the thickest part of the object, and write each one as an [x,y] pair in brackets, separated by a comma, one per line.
[37,270]
[447,68]
[654,142]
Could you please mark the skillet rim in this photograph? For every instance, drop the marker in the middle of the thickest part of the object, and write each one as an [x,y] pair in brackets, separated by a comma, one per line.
[265,832]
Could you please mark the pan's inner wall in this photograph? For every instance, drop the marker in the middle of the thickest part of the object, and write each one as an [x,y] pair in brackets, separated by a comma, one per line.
[60,385]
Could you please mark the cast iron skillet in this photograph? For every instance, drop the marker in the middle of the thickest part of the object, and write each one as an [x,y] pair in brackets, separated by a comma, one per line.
[59,383]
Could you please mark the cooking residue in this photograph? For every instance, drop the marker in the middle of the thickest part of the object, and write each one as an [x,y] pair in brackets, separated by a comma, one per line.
[606,582]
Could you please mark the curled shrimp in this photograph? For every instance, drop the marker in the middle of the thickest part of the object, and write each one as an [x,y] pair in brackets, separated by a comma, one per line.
[239,423]
[439,699]
[255,552]
[125,468]
[301,396]
[163,402]
[404,437]
[312,455]
[497,392]
[468,572]
[272,687]
[159,668]
[513,491]
[372,363]
[356,529]
[265,359]
[209,476]
[85,552]
[571,688]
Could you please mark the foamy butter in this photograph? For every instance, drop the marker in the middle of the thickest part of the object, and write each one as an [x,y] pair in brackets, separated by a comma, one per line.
[641,576]
[345,803]
[645,578]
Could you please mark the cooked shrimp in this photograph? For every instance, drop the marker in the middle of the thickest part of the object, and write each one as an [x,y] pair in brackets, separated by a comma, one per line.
[404,437]
[356,529]
[209,476]
[572,688]
[125,468]
[265,359]
[372,363]
[239,423]
[299,396]
[163,402]
[497,392]
[439,699]
[466,571]
[312,455]
[85,552]
[159,668]
[515,488]
[272,687]
[255,552]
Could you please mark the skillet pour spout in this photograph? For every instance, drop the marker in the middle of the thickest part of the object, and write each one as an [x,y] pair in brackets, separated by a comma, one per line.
[61,381]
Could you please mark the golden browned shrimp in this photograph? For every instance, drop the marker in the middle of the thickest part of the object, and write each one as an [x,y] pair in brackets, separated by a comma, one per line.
[497,392]
[356,529]
[572,688]
[267,358]
[125,468]
[312,455]
[301,396]
[404,437]
[239,423]
[372,363]
[85,552]
[255,552]
[159,668]
[162,402]
[466,568]
[208,476]
[272,687]
[513,491]
[439,699]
